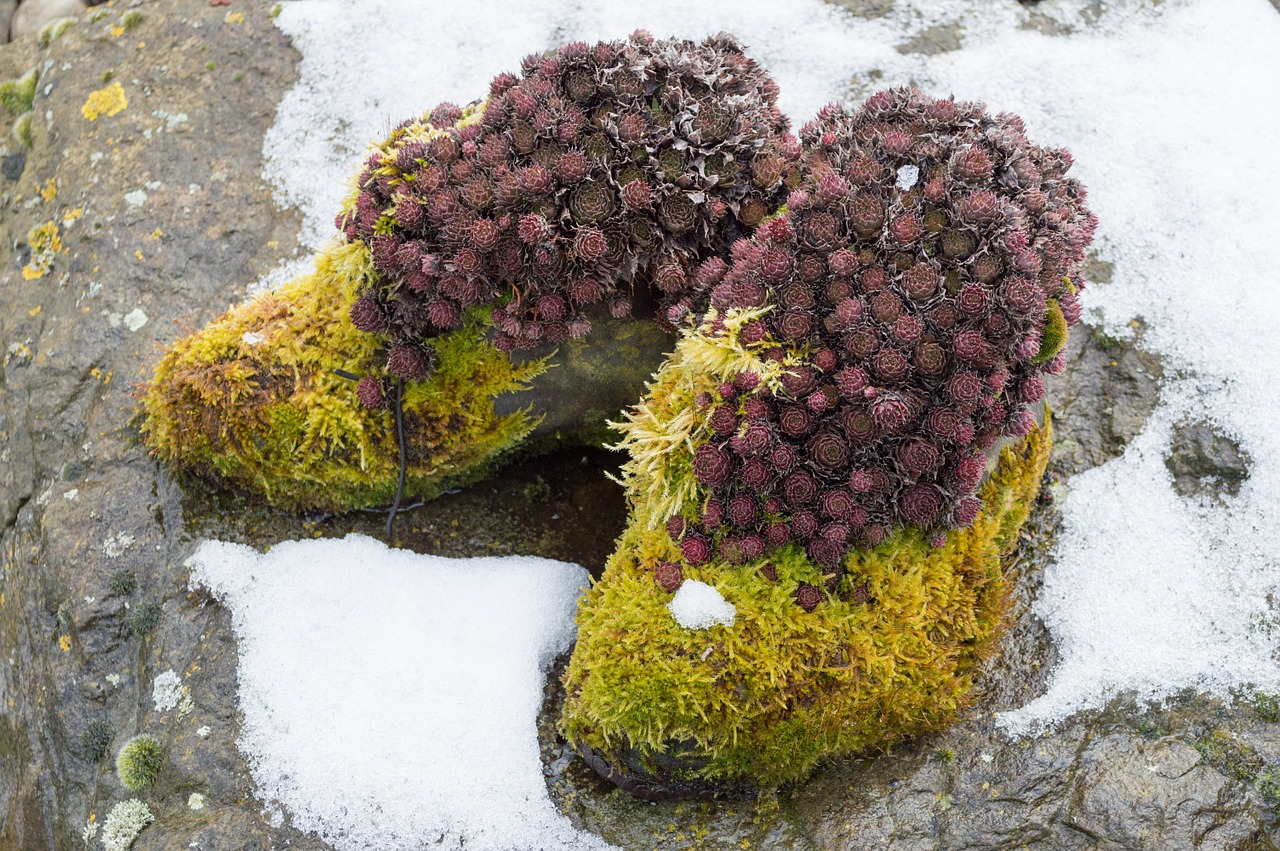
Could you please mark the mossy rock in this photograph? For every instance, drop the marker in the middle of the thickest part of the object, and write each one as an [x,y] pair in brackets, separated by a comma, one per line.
[258,400]
[889,652]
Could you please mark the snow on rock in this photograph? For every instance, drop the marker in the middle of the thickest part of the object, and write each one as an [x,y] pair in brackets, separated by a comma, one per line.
[1152,593]
[390,698]
[1167,109]
[697,606]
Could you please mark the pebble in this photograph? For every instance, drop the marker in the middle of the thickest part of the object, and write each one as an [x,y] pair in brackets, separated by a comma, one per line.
[34,14]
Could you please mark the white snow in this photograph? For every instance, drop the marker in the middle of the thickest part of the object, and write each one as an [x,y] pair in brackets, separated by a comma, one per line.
[1153,593]
[696,605]
[1171,114]
[908,176]
[390,698]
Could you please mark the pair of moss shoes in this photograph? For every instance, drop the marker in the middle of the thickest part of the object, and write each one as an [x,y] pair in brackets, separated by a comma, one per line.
[825,475]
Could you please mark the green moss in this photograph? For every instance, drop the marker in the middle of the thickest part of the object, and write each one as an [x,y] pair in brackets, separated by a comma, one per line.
[22,130]
[53,30]
[139,762]
[945,756]
[145,618]
[276,10]
[891,652]
[94,741]
[131,19]
[97,14]
[122,583]
[1268,785]
[17,96]
[1226,752]
[1054,338]
[256,400]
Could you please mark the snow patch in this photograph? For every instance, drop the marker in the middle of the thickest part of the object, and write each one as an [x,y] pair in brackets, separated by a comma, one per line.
[908,176]
[390,699]
[697,606]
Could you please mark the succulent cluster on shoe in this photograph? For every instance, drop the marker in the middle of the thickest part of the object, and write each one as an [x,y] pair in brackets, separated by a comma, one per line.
[927,269]
[599,168]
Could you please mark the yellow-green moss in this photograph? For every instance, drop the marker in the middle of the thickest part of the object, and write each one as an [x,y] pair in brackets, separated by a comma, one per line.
[50,32]
[765,699]
[1054,338]
[255,399]
[17,95]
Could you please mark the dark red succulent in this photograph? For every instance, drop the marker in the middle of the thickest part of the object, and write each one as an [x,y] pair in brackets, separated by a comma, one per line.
[921,303]
[591,171]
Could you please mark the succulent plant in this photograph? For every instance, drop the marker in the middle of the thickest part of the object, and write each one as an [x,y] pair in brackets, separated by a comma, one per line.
[597,169]
[925,270]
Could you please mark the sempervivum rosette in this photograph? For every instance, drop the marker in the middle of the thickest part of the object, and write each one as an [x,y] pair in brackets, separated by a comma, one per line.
[924,273]
[599,166]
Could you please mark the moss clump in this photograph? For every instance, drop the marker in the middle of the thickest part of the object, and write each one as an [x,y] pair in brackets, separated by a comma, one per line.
[53,30]
[94,741]
[22,130]
[17,96]
[145,618]
[889,650]
[258,400]
[1268,786]
[1226,752]
[131,19]
[122,583]
[139,761]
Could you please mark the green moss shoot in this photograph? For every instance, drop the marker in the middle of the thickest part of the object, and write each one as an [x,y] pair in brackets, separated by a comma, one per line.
[139,762]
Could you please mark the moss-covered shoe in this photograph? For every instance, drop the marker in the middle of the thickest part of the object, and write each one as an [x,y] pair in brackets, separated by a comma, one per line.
[798,660]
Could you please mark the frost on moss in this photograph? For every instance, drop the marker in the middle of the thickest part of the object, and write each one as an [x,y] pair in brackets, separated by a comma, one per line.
[258,399]
[125,821]
[844,667]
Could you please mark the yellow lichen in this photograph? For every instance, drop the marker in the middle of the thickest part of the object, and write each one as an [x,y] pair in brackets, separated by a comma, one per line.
[891,653]
[106,101]
[50,189]
[45,244]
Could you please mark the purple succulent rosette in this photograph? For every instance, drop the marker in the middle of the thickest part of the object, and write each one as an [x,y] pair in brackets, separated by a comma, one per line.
[599,168]
[917,268]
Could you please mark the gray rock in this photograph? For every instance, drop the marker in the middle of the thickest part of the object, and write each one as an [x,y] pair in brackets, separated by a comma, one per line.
[31,15]
[1202,460]
[7,8]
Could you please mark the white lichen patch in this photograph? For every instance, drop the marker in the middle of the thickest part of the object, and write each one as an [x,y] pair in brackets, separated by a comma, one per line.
[251,338]
[166,691]
[114,546]
[136,198]
[135,319]
[195,801]
[114,679]
[125,821]
[204,731]
[697,606]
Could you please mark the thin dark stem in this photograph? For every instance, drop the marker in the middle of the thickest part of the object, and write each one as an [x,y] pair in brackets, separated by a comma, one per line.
[395,505]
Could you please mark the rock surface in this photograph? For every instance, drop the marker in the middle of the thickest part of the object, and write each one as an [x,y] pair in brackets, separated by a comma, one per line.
[164,219]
